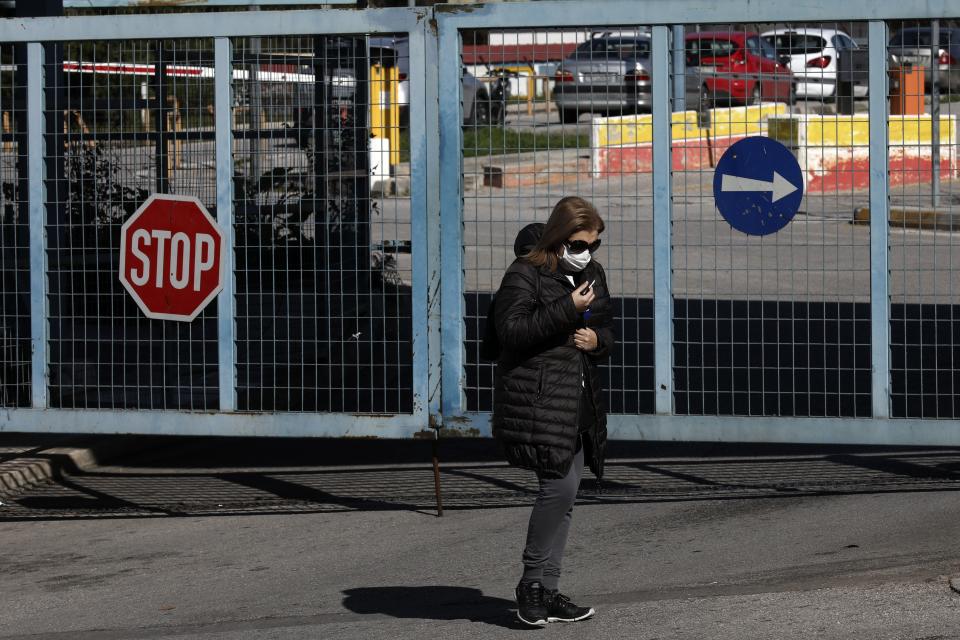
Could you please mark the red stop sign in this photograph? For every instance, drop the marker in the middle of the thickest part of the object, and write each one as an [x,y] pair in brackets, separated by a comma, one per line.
[171,257]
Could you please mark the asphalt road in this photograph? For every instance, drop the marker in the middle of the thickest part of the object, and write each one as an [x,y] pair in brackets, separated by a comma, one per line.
[820,255]
[848,546]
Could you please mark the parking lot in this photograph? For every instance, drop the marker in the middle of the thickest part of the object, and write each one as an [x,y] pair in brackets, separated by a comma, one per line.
[820,255]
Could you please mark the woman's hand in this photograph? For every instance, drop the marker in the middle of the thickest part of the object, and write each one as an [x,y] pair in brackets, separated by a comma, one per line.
[582,300]
[586,339]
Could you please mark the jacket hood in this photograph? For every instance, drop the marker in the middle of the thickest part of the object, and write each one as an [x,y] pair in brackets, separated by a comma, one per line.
[527,238]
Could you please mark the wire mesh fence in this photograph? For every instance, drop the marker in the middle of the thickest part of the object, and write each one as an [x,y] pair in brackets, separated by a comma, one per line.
[322,232]
[775,325]
[771,324]
[774,322]
[124,119]
[322,221]
[924,248]
[538,107]
[15,366]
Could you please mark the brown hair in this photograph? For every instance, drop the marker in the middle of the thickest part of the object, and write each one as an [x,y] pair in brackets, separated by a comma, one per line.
[570,215]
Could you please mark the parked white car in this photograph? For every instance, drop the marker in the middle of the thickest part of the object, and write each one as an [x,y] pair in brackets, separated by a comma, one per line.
[814,54]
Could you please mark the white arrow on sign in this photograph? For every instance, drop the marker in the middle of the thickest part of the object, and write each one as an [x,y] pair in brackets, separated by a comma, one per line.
[780,187]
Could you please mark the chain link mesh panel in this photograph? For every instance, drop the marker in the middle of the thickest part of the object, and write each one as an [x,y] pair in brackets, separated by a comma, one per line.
[322,224]
[125,119]
[924,58]
[15,366]
[776,324]
[539,108]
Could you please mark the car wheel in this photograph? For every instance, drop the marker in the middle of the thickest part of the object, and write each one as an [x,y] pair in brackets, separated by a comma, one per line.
[569,116]
[755,97]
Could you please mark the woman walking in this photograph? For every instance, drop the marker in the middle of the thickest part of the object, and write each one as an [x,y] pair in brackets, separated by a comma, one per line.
[553,322]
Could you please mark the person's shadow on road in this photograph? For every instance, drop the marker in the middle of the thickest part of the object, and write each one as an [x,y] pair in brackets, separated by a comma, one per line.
[434,603]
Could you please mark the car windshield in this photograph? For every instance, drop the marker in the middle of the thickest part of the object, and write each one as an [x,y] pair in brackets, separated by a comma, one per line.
[614,48]
[796,43]
[708,48]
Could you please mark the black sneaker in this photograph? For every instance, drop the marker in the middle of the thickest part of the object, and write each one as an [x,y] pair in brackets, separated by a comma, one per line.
[560,609]
[530,607]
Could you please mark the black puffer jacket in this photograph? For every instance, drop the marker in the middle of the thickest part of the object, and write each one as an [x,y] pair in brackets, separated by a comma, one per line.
[539,404]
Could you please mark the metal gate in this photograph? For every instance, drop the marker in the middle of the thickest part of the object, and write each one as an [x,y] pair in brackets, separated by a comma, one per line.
[353,309]
[321,327]
[836,329]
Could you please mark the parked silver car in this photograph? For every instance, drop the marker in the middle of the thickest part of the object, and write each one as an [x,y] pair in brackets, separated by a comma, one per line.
[581,88]
[913,47]
[609,74]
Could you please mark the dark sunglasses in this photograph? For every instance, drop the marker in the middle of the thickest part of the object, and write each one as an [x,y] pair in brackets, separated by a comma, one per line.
[579,246]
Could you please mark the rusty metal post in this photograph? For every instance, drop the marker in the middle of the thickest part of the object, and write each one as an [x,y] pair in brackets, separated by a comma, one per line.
[436,473]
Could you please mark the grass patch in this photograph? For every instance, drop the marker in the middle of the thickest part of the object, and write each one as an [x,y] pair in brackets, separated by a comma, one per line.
[494,141]
[484,141]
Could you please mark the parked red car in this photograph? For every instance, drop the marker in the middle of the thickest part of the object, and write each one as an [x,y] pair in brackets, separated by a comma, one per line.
[738,67]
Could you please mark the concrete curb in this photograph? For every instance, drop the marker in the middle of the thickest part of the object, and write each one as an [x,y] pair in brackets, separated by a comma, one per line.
[28,460]
[914,218]
[508,175]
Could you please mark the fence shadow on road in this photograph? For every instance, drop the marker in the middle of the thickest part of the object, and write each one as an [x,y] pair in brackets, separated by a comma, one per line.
[208,477]
[433,603]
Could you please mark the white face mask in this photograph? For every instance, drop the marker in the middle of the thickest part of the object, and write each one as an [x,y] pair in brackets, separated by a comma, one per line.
[575,261]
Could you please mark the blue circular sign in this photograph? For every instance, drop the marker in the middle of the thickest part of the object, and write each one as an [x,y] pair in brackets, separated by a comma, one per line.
[758,186]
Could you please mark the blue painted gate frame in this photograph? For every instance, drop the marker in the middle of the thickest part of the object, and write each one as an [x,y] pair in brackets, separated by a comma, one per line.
[424,196]
[664,14]
[437,216]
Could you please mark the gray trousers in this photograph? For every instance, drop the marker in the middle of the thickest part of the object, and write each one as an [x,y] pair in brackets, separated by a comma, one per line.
[549,525]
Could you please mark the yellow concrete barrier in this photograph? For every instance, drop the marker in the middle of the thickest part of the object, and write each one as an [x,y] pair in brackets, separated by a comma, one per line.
[743,121]
[638,129]
[729,121]
[854,131]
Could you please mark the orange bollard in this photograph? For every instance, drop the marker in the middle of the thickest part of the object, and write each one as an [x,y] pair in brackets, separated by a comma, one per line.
[7,129]
[906,91]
